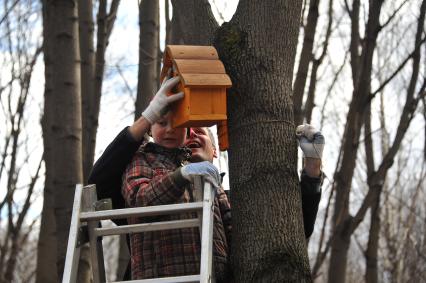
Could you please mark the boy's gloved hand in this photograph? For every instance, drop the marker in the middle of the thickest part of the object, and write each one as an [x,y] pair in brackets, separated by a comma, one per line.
[311,141]
[205,169]
[159,103]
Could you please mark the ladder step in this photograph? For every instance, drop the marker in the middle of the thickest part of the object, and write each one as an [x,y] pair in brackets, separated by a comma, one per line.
[141,211]
[145,227]
[178,279]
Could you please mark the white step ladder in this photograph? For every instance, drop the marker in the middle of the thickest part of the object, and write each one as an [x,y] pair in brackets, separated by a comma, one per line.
[88,212]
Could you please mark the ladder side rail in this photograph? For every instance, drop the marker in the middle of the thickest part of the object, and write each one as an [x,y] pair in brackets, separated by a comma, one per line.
[141,211]
[198,197]
[96,250]
[207,234]
[73,249]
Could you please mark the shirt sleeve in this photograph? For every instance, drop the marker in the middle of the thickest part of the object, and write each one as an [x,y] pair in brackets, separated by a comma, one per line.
[108,170]
[311,196]
[225,211]
[145,186]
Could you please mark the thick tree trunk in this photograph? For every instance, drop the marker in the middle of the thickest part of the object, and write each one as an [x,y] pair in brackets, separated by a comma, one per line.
[65,126]
[148,54]
[46,251]
[258,48]
[258,53]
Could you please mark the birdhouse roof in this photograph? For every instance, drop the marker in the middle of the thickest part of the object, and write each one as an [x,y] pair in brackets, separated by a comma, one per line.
[198,66]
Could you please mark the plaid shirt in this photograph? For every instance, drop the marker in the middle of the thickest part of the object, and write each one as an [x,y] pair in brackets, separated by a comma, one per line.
[150,179]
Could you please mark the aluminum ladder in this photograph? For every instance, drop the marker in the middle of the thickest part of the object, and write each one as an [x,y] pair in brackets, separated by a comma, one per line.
[85,227]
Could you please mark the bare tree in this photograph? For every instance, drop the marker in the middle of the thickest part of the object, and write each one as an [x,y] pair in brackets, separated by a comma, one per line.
[19,57]
[258,47]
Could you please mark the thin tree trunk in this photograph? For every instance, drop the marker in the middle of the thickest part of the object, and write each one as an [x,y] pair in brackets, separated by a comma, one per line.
[87,51]
[306,57]
[342,221]
[46,250]
[148,53]
[65,126]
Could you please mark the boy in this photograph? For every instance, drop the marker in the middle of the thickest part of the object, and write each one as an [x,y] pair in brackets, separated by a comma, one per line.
[155,177]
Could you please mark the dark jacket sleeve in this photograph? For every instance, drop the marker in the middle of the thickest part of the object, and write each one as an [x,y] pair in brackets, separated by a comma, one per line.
[311,195]
[108,170]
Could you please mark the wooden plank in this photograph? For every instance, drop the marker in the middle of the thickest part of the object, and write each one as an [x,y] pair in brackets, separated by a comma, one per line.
[199,66]
[206,80]
[192,52]
[147,227]
[141,211]
[178,279]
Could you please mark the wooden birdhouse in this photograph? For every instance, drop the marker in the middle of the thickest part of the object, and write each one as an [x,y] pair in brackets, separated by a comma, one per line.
[204,82]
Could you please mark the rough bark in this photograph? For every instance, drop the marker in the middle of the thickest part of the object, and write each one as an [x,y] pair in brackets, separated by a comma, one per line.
[258,53]
[87,51]
[148,53]
[306,58]
[65,124]
[268,242]
[46,250]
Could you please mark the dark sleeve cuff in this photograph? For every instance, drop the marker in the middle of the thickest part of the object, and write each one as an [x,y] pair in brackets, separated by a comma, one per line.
[178,179]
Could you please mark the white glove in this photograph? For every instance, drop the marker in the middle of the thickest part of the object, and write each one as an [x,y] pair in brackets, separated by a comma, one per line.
[311,141]
[159,103]
[205,169]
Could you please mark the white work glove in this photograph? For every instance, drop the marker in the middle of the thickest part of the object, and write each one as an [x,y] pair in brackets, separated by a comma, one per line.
[311,141]
[205,169]
[159,103]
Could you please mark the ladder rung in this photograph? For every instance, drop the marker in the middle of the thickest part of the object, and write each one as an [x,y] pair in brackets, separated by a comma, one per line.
[178,279]
[145,227]
[141,211]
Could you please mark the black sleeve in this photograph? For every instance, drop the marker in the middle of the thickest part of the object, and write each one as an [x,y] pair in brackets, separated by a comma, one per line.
[108,170]
[311,195]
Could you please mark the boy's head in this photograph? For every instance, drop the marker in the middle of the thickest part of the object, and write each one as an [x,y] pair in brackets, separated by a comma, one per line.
[165,135]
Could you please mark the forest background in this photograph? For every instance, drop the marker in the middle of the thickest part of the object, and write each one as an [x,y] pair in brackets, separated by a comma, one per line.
[354,69]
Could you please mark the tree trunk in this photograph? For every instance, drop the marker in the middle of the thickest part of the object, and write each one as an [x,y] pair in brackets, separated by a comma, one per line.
[268,238]
[371,274]
[46,251]
[258,53]
[148,54]
[342,220]
[306,57]
[87,51]
[65,126]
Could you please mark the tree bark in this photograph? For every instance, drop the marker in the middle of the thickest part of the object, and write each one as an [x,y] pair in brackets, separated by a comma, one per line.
[46,251]
[87,51]
[306,58]
[268,240]
[148,54]
[65,126]
[258,53]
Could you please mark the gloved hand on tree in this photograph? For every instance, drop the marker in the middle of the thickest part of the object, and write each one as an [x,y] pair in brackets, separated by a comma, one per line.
[311,141]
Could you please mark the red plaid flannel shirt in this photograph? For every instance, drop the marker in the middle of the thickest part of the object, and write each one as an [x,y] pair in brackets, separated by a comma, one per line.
[149,180]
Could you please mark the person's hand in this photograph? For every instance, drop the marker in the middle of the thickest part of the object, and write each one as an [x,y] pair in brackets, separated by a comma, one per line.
[311,141]
[205,169]
[159,103]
